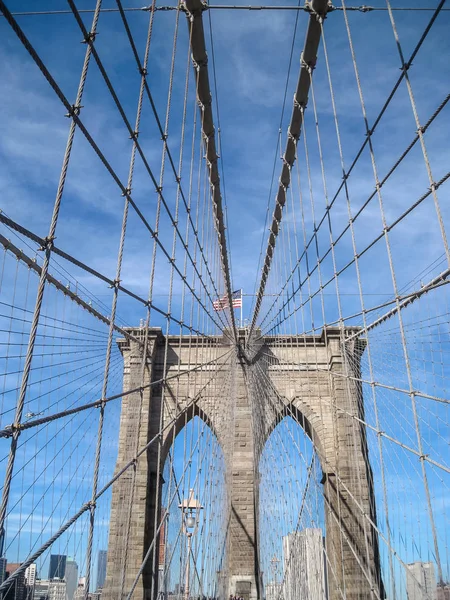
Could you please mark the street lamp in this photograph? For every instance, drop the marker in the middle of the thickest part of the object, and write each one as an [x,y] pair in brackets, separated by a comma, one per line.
[190,516]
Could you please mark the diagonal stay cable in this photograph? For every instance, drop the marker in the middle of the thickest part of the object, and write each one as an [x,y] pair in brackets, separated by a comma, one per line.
[71,280]
[319,10]
[176,174]
[9,430]
[134,136]
[219,140]
[175,493]
[73,112]
[194,10]
[277,149]
[354,218]
[435,282]
[47,247]
[87,506]
[380,236]
[41,241]
[31,264]
[346,174]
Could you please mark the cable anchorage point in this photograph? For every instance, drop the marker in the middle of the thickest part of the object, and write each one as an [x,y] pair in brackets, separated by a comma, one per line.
[89,37]
[48,243]
[74,111]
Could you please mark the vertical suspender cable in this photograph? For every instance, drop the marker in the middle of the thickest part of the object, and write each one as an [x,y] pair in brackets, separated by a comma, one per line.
[48,251]
[319,10]
[194,10]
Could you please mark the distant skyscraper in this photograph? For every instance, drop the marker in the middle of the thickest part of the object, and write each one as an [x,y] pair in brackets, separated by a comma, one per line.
[101,568]
[57,589]
[57,566]
[304,565]
[273,591]
[71,578]
[2,569]
[41,589]
[30,575]
[420,581]
[79,594]
[30,580]
[17,591]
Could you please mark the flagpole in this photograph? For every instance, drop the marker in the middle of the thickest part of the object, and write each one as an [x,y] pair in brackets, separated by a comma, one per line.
[242,301]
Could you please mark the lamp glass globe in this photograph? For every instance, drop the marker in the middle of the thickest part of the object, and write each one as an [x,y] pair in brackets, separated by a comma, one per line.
[190,522]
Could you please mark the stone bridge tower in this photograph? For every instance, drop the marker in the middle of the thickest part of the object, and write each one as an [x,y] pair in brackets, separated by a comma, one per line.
[315,380]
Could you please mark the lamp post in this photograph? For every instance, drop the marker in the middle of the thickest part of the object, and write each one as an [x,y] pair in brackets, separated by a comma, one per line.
[274,562]
[190,516]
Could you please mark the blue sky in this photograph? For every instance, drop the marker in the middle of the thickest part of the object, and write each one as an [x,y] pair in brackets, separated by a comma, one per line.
[251,56]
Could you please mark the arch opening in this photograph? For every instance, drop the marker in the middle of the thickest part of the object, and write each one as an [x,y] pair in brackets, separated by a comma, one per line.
[291,512]
[182,421]
[192,538]
[297,412]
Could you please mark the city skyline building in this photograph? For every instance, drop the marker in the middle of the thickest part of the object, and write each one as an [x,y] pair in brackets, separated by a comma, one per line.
[17,590]
[57,568]
[101,568]
[79,593]
[57,589]
[30,575]
[30,580]
[421,581]
[41,589]
[3,562]
[304,565]
[179,589]
[273,590]
[71,577]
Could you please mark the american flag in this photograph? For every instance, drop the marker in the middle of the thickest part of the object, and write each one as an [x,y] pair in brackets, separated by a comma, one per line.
[222,303]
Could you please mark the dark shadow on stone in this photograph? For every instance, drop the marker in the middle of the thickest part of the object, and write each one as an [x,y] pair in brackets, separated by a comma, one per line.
[252,543]
[238,519]
[356,518]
